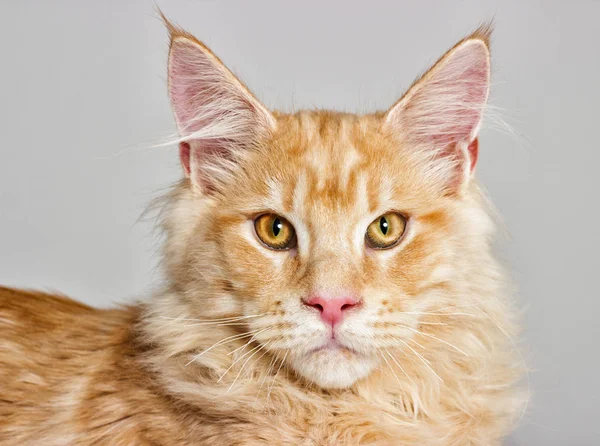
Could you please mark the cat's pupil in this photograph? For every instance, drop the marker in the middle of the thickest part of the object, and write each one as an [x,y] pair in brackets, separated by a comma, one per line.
[277,226]
[383,225]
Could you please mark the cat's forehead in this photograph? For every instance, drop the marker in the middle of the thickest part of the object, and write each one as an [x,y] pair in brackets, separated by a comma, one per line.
[329,138]
[324,161]
[335,161]
[323,165]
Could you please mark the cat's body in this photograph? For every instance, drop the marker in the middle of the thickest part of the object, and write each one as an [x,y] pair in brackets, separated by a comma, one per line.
[329,281]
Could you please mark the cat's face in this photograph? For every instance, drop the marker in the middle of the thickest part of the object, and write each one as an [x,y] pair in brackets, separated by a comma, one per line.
[333,235]
[360,233]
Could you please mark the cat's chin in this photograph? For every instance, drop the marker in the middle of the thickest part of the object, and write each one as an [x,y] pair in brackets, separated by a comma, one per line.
[333,368]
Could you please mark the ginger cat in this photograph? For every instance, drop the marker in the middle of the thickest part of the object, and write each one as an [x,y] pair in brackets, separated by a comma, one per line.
[330,281]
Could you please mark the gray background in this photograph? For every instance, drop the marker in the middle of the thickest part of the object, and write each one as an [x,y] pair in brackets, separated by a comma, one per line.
[83,100]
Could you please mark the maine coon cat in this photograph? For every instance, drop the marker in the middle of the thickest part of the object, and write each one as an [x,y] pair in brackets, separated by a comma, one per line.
[329,281]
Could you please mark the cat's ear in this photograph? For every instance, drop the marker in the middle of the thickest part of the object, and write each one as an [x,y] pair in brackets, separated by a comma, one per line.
[441,113]
[217,117]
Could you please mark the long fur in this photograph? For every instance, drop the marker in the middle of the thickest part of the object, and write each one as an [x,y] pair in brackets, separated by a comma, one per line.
[224,352]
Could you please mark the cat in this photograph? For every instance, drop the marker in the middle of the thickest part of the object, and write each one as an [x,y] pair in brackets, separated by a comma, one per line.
[330,280]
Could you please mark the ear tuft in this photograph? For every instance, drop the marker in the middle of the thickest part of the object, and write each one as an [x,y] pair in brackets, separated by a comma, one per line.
[483,33]
[173,29]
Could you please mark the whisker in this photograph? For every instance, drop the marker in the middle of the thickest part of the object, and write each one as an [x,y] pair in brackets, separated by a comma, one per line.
[271,364]
[230,324]
[395,323]
[437,339]
[432,323]
[218,324]
[275,377]
[425,361]
[429,313]
[277,359]
[267,344]
[249,341]
[413,340]
[401,368]
[390,367]
[237,360]
[224,341]
[246,362]
[217,320]
[452,307]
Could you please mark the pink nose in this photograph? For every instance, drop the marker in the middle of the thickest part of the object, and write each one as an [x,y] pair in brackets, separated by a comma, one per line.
[332,310]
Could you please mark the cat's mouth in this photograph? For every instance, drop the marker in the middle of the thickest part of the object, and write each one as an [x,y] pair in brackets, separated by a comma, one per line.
[334,346]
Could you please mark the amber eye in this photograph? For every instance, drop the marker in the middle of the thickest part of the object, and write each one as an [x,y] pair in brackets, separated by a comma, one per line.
[275,231]
[385,231]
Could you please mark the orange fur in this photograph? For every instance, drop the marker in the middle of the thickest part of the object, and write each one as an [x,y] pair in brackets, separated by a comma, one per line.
[221,354]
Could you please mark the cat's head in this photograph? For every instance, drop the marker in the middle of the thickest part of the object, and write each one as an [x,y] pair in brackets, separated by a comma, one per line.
[336,240]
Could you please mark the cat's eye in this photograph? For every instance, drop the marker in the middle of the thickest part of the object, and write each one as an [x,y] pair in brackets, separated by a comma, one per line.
[275,231]
[386,231]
